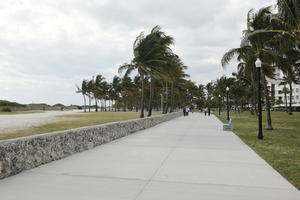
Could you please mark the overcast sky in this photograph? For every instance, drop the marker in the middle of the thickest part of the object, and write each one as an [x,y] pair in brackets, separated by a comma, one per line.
[47,46]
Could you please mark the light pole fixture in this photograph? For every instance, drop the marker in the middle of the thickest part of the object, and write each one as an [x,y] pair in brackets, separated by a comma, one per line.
[161,102]
[258,65]
[219,105]
[227,94]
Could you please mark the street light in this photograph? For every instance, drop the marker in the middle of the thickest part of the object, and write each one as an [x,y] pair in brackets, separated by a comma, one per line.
[227,91]
[161,102]
[219,105]
[258,65]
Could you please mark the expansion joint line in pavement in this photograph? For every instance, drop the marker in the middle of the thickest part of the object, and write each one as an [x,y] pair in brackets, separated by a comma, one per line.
[162,163]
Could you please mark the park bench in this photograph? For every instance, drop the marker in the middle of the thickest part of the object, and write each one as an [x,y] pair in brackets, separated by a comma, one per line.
[229,126]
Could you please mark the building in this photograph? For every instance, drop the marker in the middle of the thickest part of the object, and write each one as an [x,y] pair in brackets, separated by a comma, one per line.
[277,91]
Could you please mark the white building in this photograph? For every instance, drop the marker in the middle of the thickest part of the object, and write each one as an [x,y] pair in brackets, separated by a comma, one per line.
[277,88]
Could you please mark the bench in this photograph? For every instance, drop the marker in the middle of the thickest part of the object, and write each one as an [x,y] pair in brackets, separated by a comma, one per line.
[229,126]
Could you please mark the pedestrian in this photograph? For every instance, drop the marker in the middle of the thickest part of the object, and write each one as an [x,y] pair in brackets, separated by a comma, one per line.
[187,111]
[208,111]
[205,111]
[184,111]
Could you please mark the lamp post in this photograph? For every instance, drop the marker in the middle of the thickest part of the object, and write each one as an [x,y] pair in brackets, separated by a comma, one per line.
[161,102]
[219,105]
[258,64]
[227,94]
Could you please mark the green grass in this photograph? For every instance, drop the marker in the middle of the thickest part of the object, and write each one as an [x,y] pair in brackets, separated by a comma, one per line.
[21,112]
[280,147]
[66,122]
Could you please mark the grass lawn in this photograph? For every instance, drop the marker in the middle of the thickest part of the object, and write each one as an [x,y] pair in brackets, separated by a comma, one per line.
[280,147]
[21,112]
[66,122]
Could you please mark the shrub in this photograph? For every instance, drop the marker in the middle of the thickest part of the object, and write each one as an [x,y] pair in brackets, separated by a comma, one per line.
[9,103]
[6,109]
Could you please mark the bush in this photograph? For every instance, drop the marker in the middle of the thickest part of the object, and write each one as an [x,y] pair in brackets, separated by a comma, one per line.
[9,103]
[6,109]
[58,105]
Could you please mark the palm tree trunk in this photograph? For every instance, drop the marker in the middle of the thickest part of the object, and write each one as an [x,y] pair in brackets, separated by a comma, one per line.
[172,97]
[285,98]
[89,104]
[96,104]
[151,96]
[291,99]
[162,101]
[109,105]
[267,98]
[142,95]
[166,105]
[84,103]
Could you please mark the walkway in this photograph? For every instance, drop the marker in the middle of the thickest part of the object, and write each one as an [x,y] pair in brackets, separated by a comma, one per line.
[183,159]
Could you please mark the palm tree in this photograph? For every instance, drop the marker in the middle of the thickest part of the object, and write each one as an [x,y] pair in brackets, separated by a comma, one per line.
[285,91]
[98,89]
[253,46]
[141,70]
[148,54]
[159,44]
[116,88]
[83,91]
[90,88]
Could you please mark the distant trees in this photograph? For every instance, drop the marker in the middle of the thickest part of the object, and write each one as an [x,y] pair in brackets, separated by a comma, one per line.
[160,82]
[9,103]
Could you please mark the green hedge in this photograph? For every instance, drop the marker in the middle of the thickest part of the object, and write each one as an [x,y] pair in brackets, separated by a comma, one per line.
[12,104]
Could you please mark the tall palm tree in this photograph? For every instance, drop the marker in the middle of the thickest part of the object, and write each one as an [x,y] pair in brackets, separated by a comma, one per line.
[90,89]
[116,88]
[148,53]
[98,89]
[141,71]
[83,91]
[253,46]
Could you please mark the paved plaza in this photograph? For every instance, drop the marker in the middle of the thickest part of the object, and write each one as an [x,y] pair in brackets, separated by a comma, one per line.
[188,158]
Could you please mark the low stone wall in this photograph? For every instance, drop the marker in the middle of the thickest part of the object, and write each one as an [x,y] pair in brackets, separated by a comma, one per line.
[25,153]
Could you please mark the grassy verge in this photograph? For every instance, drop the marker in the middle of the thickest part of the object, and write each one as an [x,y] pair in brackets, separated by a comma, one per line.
[281,146]
[66,122]
[21,112]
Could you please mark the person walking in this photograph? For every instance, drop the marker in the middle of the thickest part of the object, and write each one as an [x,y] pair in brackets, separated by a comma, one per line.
[184,111]
[187,111]
[205,111]
[208,111]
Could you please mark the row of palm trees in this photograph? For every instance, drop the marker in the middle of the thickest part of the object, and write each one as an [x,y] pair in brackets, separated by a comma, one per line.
[273,36]
[160,80]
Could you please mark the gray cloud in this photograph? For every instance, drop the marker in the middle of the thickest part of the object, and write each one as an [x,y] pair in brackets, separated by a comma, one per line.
[48,46]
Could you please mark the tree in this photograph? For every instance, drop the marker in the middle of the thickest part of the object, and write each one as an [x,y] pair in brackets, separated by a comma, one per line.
[149,53]
[83,90]
[116,90]
[256,46]
[98,89]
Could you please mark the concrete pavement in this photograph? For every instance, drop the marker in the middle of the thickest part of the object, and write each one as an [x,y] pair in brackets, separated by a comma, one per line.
[183,159]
